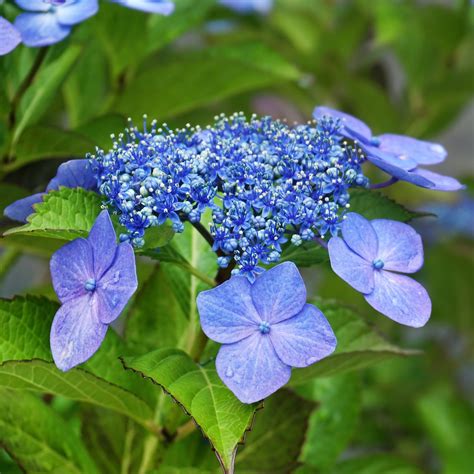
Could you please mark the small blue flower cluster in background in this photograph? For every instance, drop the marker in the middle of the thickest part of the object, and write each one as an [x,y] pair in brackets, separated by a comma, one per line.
[264,181]
[46,22]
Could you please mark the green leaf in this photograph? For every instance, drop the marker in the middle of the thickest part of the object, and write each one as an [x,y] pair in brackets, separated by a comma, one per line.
[64,214]
[279,431]
[221,417]
[40,142]
[358,346]
[210,75]
[375,205]
[448,421]
[25,362]
[38,438]
[332,425]
[156,319]
[305,255]
[99,129]
[376,464]
[163,30]
[44,89]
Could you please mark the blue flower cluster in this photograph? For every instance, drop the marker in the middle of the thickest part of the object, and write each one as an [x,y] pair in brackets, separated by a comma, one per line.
[264,182]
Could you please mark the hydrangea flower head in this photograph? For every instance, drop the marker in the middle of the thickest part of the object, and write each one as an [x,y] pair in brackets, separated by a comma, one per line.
[10,37]
[372,257]
[94,278]
[265,182]
[50,21]
[71,174]
[162,7]
[266,328]
[400,156]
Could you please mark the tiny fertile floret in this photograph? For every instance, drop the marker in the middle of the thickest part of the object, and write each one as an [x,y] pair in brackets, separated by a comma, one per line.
[264,182]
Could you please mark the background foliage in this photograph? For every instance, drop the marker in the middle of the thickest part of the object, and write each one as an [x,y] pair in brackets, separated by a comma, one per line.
[403,66]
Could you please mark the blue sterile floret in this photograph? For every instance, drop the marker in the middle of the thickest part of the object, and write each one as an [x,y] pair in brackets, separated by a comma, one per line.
[266,183]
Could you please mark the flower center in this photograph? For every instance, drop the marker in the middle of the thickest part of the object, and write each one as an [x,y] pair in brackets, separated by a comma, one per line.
[264,327]
[378,264]
[90,284]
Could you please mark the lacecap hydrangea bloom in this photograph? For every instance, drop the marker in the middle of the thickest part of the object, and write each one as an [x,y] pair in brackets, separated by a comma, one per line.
[94,278]
[372,256]
[265,182]
[71,174]
[266,328]
[162,7]
[400,156]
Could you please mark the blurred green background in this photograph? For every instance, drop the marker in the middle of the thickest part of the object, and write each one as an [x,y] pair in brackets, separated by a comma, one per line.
[403,66]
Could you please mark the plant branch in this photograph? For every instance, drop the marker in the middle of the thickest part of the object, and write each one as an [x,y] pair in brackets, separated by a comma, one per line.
[204,232]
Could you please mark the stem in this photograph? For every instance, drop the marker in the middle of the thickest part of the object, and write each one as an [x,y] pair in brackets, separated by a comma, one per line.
[321,242]
[384,184]
[204,232]
[25,85]
[127,455]
[198,345]
[7,260]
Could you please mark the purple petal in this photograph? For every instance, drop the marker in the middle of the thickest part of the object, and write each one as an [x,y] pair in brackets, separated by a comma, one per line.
[424,153]
[279,293]
[118,284]
[71,266]
[358,129]
[76,12]
[33,5]
[74,174]
[349,266]
[438,182]
[304,339]
[76,333]
[40,29]
[103,241]
[251,368]
[359,236]
[227,312]
[10,38]
[162,7]
[400,246]
[400,162]
[21,209]
[400,298]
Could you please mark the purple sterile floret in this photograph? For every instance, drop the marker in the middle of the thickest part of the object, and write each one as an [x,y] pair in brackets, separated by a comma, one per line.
[266,327]
[398,155]
[49,21]
[162,7]
[370,257]
[71,174]
[93,278]
[10,37]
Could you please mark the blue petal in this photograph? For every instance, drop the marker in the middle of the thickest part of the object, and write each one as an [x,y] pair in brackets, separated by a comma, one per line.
[33,5]
[304,339]
[438,182]
[251,368]
[355,127]
[248,6]
[227,313]
[349,266]
[118,284]
[400,246]
[360,236]
[10,38]
[76,332]
[400,162]
[279,293]
[400,298]
[21,209]
[424,153]
[76,12]
[40,29]
[162,7]
[103,241]
[71,266]
[74,174]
